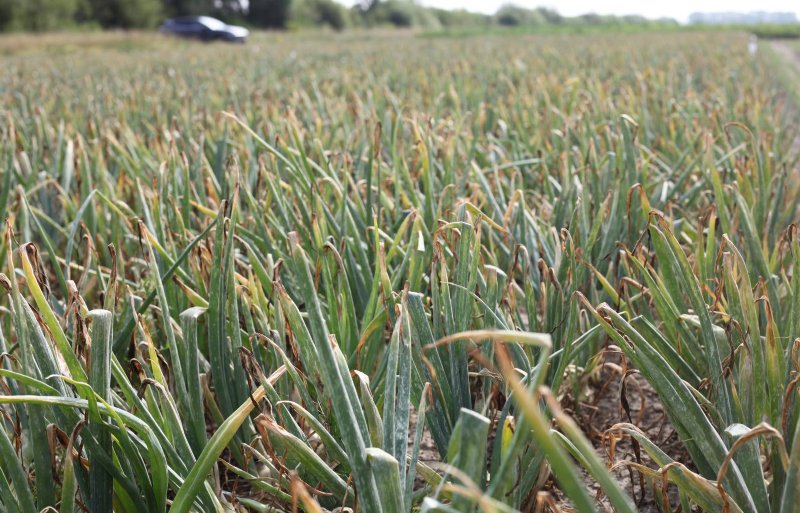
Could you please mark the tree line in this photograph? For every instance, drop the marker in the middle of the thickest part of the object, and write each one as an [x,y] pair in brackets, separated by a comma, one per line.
[47,15]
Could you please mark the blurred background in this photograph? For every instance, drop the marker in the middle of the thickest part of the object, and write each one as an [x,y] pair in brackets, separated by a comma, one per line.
[777,18]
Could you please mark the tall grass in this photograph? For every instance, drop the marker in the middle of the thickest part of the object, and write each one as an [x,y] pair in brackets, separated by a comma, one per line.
[253,279]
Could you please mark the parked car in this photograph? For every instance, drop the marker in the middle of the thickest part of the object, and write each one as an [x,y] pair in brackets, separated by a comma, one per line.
[204,28]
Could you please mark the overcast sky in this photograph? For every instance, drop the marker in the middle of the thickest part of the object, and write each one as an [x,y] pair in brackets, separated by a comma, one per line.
[678,9]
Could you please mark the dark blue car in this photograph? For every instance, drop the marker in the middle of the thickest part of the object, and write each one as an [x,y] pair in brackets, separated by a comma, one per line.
[204,28]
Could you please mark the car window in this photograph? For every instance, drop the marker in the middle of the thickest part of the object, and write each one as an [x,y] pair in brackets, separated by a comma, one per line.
[211,23]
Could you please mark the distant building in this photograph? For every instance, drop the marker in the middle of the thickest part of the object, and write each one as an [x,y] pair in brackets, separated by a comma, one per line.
[739,18]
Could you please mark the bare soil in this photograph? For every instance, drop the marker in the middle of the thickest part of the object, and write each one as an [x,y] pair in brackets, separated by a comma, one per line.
[614,393]
[597,406]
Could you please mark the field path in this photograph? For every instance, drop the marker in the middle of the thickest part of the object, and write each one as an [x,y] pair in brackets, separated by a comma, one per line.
[789,54]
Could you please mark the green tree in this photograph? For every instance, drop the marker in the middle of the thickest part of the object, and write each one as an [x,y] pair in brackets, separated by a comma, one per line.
[188,7]
[460,18]
[400,13]
[36,15]
[269,13]
[332,14]
[510,15]
[551,16]
[319,12]
[124,13]
[6,14]
[230,9]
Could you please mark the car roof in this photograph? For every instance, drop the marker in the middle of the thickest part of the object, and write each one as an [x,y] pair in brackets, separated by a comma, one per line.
[210,22]
[204,20]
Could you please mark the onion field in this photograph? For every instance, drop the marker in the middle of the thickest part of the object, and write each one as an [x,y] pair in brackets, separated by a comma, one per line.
[379,272]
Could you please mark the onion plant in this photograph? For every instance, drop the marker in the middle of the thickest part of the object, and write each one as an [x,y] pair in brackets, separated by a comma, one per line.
[365,271]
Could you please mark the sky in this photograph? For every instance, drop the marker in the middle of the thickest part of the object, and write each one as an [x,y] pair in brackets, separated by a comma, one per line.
[677,9]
